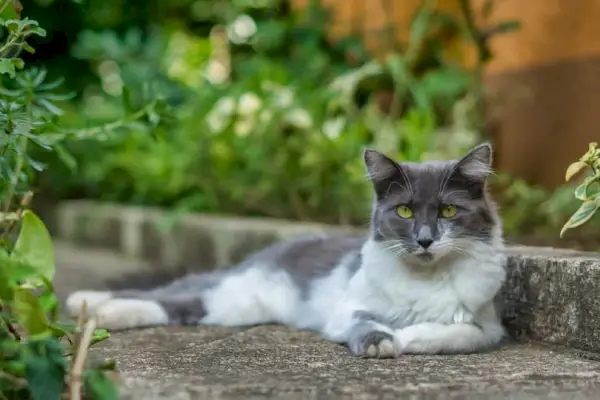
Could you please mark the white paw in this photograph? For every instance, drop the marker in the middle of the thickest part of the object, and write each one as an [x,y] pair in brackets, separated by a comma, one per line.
[130,313]
[384,349]
[412,340]
[93,298]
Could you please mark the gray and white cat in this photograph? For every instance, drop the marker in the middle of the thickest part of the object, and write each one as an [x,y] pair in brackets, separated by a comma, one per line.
[422,282]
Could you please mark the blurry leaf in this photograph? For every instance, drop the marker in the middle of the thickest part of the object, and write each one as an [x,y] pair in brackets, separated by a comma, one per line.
[29,312]
[36,165]
[420,24]
[100,335]
[7,67]
[574,169]
[51,108]
[506,27]
[12,10]
[45,369]
[581,216]
[65,157]
[488,8]
[99,387]
[581,190]
[127,100]
[448,83]
[34,245]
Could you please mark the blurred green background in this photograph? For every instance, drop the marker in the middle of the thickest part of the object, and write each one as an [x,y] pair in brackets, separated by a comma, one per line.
[268,115]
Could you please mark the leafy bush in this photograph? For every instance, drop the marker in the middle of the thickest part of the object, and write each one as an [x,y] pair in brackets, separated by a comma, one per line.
[275,123]
[42,356]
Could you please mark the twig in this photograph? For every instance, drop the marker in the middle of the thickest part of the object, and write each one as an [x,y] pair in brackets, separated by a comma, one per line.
[13,330]
[5,5]
[80,323]
[79,362]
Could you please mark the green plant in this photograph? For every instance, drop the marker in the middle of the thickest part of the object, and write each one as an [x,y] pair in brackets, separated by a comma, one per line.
[42,356]
[588,192]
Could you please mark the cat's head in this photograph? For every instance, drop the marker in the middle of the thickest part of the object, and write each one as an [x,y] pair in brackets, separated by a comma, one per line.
[425,211]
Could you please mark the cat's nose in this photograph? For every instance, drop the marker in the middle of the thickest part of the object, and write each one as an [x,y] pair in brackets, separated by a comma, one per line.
[425,242]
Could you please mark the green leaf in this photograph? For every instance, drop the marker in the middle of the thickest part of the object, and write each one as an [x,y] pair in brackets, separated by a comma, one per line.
[581,190]
[586,211]
[45,369]
[574,169]
[12,11]
[34,245]
[99,336]
[30,313]
[99,387]
[65,157]
[7,67]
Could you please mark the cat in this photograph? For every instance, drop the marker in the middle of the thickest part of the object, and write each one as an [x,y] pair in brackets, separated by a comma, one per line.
[423,281]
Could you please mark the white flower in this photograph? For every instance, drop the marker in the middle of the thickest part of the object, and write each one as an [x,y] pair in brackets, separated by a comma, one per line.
[217,122]
[332,128]
[225,106]
[242,29]
[216,73]
[299,117]
[243,126]
[249,103]
[284,97]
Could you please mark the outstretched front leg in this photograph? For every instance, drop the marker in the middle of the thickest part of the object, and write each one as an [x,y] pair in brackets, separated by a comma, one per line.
[366,334]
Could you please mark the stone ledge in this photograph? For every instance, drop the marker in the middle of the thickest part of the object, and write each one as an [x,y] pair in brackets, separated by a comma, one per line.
[551,295]
[277,362]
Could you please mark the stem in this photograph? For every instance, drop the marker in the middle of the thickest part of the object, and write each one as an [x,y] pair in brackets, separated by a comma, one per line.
[78,363]
[91,132]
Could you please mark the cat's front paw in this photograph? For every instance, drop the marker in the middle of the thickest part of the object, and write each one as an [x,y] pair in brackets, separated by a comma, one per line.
[374,344]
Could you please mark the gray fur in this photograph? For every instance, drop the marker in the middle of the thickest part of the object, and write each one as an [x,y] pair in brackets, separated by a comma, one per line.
[307,259]
[425,188]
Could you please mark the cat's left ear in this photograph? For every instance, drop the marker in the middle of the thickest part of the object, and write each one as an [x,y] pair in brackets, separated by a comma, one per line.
[476,166]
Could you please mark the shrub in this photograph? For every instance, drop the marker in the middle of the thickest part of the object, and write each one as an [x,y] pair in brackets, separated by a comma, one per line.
[276,124]
[42,355]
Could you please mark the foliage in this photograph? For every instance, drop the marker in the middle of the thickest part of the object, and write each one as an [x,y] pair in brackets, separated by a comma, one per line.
[275,122]
[42,356]
[588,192]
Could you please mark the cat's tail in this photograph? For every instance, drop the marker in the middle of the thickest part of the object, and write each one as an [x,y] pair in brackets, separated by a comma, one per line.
[144,300]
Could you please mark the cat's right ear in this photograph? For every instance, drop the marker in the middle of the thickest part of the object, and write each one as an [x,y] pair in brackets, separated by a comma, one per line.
[383,172]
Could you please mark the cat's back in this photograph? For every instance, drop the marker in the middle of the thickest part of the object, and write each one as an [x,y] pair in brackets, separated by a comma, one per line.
[306,259]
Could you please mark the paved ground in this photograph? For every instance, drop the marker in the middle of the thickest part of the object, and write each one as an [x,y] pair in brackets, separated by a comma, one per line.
[275,362]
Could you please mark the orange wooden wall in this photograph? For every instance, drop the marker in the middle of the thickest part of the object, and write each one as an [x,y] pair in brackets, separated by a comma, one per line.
[554,59]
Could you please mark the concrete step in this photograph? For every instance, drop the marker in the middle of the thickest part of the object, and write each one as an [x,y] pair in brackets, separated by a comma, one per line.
[277,362]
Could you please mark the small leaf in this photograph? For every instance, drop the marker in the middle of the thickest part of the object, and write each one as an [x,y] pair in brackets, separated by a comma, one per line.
[66,157]
[99,336]
[34,245]
[581,190]
[574,169]
[7,67]
[581,216]
[99,387]
[45,369]
[30,313]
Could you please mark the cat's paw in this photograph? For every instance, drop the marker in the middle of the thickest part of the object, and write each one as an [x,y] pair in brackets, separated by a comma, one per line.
[92,298]
[375,344]
[121,314]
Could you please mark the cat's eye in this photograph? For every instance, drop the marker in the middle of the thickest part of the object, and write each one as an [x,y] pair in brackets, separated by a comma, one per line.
[448,211]
[404,212]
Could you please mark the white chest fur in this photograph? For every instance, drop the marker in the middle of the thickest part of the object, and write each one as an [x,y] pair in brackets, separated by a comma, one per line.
[453,291]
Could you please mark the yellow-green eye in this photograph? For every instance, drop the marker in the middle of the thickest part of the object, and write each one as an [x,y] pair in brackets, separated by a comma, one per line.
[448,211]
[404,212]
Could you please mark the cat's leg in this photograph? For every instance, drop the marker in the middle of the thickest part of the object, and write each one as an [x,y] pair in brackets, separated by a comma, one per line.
[366,334]
[458,338]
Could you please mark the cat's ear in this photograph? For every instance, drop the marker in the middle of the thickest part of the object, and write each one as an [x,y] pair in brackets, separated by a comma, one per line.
[383,172]
[476,166]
